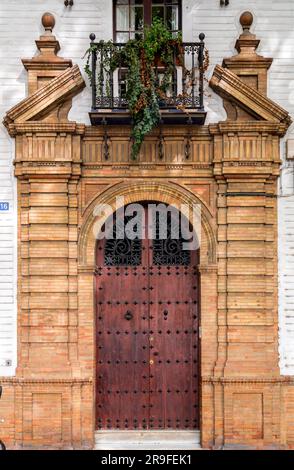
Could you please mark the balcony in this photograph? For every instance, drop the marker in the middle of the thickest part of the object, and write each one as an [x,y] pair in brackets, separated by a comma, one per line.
[181,104]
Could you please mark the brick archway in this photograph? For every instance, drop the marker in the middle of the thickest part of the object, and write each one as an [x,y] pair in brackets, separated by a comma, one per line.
[165,192]
[170,194]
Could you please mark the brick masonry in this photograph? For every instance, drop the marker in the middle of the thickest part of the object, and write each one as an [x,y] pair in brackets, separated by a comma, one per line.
[273,25]
[62,174]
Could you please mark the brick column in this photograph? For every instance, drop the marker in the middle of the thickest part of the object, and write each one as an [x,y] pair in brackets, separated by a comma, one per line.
[246,371]
[48,232]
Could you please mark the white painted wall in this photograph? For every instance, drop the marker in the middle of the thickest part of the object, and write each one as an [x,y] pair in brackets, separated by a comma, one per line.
[286,268]
[20,25]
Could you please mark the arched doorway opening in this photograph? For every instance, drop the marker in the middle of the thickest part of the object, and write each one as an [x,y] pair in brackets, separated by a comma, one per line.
[147,328]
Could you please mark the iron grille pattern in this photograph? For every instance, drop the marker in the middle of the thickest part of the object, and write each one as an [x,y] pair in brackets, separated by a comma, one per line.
[169,250]
[120,250]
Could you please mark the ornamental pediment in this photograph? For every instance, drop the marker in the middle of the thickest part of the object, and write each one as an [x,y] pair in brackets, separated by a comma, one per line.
[238,94]
[52,99]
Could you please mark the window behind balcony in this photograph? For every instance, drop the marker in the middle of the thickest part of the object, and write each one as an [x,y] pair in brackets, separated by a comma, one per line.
[131,15]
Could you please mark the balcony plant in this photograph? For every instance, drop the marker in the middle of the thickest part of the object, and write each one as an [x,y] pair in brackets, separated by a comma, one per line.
[157,47]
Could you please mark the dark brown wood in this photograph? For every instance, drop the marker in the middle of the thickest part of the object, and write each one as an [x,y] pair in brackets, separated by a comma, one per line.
[147,342]
[174,349]
[168,117]
[148,12]
[147,8]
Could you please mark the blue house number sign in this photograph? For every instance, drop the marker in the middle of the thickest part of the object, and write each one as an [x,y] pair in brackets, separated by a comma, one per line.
[4,206]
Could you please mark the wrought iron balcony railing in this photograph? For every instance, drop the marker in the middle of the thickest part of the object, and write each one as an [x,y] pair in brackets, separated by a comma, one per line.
[185,92]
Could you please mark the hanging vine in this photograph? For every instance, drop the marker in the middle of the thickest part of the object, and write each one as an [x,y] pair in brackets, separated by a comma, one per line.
[144,92]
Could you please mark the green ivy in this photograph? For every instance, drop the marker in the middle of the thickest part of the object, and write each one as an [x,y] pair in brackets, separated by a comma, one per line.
[143,93]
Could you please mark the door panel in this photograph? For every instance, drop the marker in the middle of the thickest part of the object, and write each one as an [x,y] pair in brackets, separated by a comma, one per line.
[174,326]
[123,349]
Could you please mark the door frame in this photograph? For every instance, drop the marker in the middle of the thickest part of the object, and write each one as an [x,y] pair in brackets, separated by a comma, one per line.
[96,298]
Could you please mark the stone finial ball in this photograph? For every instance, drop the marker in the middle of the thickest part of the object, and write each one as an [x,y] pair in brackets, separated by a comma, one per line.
[246,19]
[48,21]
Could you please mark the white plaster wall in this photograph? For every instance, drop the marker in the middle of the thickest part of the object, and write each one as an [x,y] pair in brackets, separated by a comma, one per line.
[286,268]
[20,25]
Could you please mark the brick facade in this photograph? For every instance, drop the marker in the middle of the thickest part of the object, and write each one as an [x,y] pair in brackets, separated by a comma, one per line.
[62,174]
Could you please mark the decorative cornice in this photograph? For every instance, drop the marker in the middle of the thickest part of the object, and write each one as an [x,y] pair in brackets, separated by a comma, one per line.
[229,86]
[238,62]
[206,379]
[249,194]
[248,380]
[25,381]
[39,63]
[40,126]
[260,127]
[179,131]
[61,88]
[256,163]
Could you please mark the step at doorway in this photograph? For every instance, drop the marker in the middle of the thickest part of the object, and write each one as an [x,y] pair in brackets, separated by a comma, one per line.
[147,440]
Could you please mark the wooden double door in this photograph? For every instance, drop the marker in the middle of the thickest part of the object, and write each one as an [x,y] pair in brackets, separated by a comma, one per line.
[147,296]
